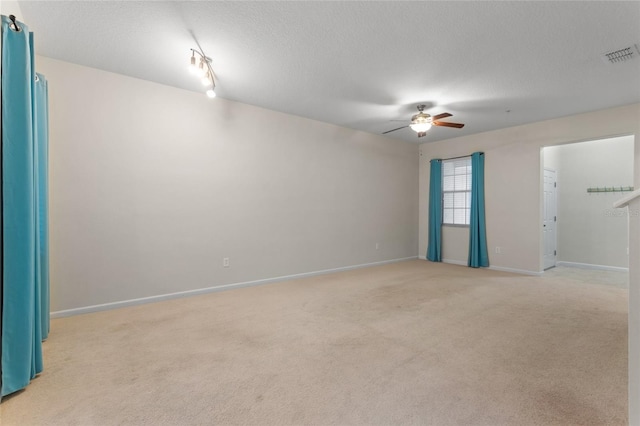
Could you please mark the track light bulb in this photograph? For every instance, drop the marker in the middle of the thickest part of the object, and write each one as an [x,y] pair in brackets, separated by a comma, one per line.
[211,93]
[192,66]
[206,80]
[201,68]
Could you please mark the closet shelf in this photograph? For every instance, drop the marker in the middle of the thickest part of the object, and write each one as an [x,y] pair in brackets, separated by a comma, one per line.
[610,189]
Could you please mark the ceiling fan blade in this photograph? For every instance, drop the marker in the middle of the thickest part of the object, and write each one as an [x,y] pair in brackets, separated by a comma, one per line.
[443,115]
[389,131]
[445,124]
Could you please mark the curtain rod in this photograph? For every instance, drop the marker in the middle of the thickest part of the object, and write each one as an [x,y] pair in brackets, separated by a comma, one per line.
[14,26]
[455,158]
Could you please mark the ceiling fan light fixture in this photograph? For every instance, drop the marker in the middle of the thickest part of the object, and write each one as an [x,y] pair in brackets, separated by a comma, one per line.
[422,122]
[420,125]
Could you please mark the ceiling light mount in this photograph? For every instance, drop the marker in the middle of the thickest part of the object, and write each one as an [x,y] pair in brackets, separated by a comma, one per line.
[200,65]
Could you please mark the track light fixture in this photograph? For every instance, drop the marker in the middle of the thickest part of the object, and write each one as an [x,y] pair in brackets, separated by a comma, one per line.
[203,70]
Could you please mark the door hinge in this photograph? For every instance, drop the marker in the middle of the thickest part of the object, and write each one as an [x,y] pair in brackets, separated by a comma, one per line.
[555,218]
[554,253]
[555,184]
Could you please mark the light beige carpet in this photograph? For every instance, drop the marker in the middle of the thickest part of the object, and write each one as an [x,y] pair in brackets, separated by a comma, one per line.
[405,343]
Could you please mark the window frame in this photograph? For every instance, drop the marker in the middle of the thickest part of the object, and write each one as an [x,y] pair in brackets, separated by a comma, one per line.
[467,191]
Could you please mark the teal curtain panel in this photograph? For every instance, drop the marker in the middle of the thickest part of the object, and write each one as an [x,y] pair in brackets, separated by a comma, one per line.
[478,254]
[25,267]
[434,249]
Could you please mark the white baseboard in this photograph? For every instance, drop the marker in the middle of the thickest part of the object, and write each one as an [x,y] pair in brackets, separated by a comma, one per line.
[161,297]
[592,266]
[493,268]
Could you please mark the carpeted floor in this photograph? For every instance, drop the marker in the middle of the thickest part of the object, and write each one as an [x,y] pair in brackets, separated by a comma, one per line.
[405,343]
[591,276]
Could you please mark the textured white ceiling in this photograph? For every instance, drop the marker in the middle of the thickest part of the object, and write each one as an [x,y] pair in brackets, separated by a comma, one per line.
[361,64]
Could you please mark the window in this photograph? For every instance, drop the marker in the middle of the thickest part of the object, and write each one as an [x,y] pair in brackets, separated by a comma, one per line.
[456,191]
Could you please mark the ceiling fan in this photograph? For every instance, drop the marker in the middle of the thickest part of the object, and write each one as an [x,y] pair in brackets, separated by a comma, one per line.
[421,122]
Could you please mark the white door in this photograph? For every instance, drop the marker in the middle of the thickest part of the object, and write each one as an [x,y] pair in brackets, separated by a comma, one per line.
[549,219]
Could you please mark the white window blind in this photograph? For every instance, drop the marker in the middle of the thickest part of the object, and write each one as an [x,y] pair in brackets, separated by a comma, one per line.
[456,191]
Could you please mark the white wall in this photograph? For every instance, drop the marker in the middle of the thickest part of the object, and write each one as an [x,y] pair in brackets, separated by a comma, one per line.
[151,186]
[513,180]
[455,244]
[590,231]
[11,7]
[551,157]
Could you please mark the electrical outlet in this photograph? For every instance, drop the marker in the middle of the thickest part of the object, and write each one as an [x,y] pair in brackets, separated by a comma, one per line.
[225,262]
[377,246]
[498,250]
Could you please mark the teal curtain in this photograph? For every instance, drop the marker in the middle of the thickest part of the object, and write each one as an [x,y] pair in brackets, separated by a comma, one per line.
[478,254]
[25,262]
[434,249]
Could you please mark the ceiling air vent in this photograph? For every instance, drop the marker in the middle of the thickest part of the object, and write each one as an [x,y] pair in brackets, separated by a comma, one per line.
[621,55]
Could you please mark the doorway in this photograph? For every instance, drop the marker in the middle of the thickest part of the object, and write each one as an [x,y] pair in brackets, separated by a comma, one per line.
[589,177]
